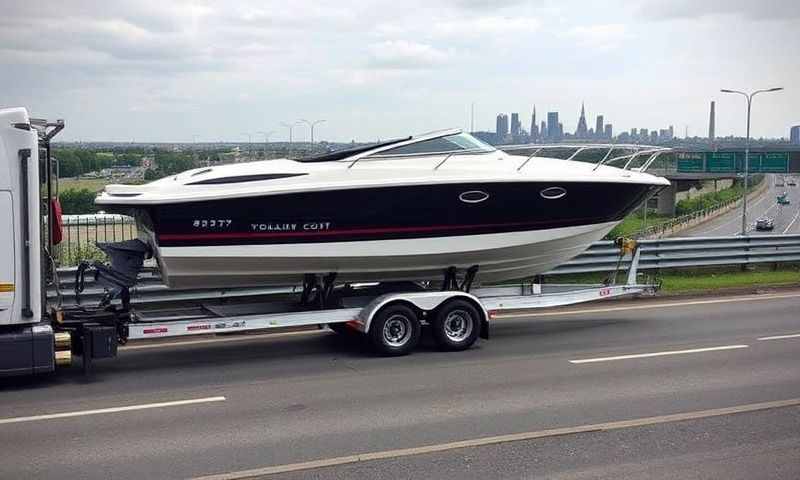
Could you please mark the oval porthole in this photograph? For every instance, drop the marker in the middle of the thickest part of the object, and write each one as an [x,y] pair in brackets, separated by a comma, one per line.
[553,193]
[473,196]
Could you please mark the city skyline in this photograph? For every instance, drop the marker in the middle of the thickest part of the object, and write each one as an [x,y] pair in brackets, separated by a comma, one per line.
[176,71]
[553,130]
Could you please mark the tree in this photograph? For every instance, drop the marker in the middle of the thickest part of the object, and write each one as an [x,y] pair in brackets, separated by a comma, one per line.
[76,202]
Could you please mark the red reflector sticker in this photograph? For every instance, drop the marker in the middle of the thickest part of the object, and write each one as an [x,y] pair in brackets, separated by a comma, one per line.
[155,330]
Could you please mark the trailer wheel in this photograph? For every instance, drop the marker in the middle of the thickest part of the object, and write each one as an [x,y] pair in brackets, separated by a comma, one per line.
[456,325]
[395,330]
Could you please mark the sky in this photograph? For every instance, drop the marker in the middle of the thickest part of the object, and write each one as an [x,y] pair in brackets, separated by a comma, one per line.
[146,70]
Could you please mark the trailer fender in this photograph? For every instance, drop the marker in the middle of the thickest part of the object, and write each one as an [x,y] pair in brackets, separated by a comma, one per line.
[425,302]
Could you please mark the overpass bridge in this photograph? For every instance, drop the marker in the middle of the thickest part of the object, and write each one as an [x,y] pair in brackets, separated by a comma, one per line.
[689,168]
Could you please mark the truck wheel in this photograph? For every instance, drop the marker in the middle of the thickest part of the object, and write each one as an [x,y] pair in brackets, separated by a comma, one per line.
[456,325]
[395,330]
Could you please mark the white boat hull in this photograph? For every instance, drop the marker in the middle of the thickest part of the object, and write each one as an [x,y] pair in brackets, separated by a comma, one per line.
[500,256]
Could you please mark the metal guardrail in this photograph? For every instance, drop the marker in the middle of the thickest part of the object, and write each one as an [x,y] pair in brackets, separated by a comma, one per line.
[599,257]
[668,225]
[688,252]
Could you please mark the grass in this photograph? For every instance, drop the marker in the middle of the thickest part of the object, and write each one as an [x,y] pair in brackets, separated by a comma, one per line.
[634,223]
[92,184]
[704,280]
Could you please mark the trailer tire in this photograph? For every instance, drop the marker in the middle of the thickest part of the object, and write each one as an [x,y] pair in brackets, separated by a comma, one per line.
[394,330]
[456,325]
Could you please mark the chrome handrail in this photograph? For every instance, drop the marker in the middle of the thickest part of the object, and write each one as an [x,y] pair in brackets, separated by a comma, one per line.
[638,150]
[442,162]
[529,159]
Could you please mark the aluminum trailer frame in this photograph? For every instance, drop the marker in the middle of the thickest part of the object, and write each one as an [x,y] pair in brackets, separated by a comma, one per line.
[494,302]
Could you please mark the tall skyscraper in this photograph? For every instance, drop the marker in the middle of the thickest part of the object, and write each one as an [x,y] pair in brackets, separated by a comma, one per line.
[560,131]
[534,127]
[598,127]
[644,134]
[581,131]
[671,132]
[501,129]
[543,130]
[794,135]
[609,131]
[634,133]
[515,125]
[711,121]
[552,126]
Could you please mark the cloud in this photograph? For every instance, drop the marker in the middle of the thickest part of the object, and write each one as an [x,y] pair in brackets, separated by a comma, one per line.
[403,54]
[748,9]
[599,37]
[483,25]
[179,67]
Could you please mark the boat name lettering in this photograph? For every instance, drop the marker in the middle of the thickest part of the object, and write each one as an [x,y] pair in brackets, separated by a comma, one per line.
[290,227]
[212,223]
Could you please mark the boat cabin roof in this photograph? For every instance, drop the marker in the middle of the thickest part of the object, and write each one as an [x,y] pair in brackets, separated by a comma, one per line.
[435,143]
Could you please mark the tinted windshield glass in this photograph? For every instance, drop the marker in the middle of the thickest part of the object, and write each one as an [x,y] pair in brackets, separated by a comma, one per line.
[458,143]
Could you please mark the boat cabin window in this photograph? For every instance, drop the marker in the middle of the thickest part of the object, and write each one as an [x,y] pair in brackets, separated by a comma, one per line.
[458,143]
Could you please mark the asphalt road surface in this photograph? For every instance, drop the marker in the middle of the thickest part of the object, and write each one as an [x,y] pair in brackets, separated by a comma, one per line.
[565,385]
[730,223]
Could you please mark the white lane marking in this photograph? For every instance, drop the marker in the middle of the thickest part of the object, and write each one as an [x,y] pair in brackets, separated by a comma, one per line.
[748,298]
[793,220]
[500,439]
[657,354]
[780,337]
[734,217]
[128,408]
[223,340]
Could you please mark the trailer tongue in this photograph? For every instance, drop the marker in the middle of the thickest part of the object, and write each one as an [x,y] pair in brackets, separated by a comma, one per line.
[36,335]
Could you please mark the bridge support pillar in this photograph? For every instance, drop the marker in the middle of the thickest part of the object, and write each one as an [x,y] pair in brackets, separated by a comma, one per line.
[666,200]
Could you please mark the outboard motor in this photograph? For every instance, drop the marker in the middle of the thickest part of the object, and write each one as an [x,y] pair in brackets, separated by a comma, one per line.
[126,260]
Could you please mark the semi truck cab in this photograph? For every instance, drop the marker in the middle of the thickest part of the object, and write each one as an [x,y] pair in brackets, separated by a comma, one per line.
[27,339]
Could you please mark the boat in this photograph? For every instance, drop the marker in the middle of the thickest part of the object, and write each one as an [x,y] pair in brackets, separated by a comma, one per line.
[409,209]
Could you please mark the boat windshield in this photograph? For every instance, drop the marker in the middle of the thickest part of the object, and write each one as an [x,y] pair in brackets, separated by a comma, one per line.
[457,143]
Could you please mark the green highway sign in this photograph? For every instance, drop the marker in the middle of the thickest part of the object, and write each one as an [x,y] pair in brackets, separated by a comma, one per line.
[691,162]
[775,162]
[720,162]
[732,162]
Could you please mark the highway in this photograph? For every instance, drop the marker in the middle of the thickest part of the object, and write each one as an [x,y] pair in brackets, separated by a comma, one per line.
[705,387]
[730,223]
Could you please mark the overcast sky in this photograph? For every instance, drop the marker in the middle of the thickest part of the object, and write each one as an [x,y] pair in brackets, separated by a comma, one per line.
[170,71]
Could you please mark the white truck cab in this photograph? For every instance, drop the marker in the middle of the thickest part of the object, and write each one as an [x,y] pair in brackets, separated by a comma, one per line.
[26,336]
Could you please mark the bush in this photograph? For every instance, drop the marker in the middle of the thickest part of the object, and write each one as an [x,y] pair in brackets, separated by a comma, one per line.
[76,202]
[709,200]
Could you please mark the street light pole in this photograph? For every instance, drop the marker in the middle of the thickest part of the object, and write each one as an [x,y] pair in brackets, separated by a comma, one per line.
[266,140]
[290,126]
[749,98]
[311,126]
[249,145]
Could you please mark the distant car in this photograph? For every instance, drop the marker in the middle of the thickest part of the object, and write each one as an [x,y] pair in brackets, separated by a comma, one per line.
[783,199]
[765,223]
[792,182]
